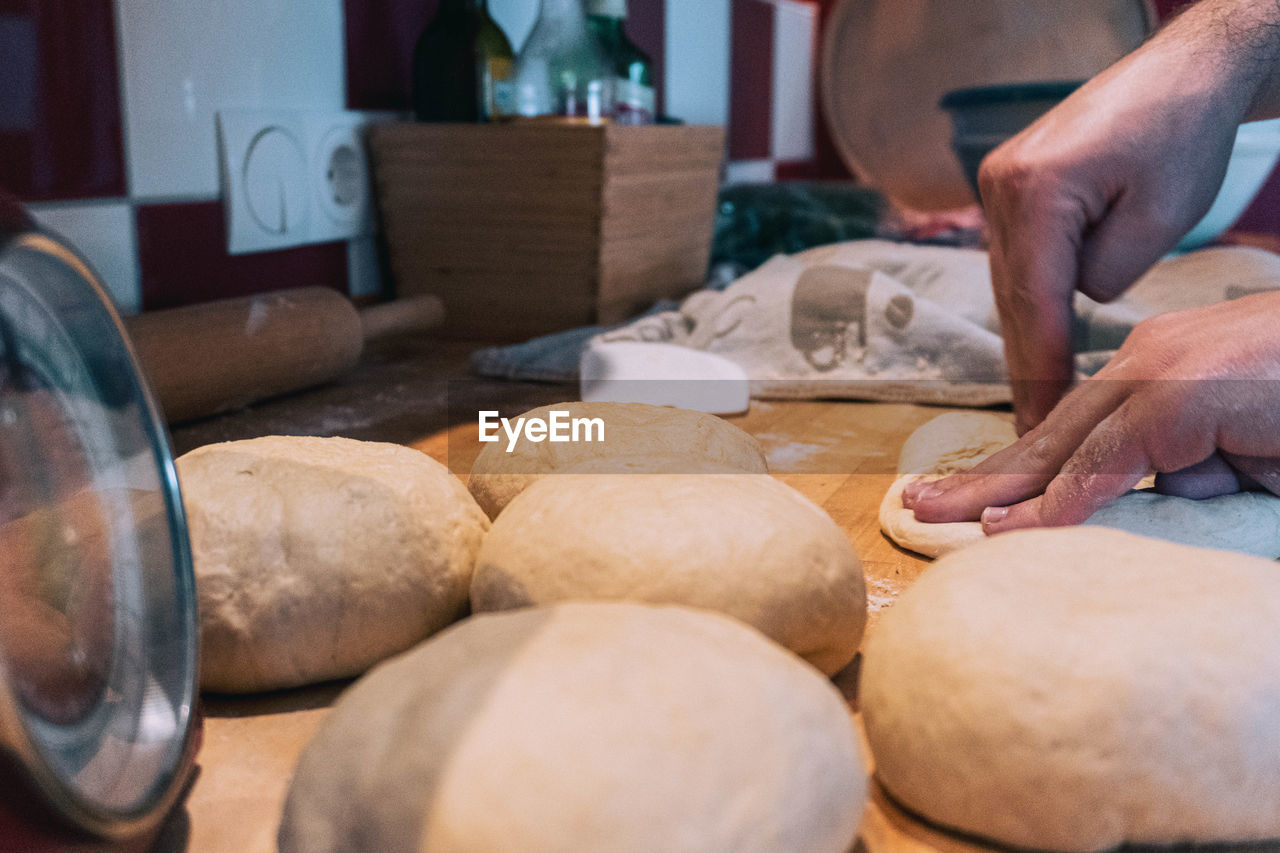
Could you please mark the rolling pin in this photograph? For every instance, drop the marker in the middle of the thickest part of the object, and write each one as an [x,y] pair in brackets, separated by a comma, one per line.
[223,355]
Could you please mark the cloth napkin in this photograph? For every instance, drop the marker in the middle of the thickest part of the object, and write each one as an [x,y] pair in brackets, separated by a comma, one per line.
[876,320]
[879,320]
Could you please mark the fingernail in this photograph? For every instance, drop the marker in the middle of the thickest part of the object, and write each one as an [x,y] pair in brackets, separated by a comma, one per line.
[993,515]
[919,491]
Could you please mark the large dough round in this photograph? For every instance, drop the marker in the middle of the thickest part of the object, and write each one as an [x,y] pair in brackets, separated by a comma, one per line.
[317,557]
[637,435]
[1248,522]
[611,728]
[1078,688]
[744,544]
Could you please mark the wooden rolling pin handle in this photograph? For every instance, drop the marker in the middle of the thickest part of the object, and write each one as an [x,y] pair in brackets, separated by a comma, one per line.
[400,316]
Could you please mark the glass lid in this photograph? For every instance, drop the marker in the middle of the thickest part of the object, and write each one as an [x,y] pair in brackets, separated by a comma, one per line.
[97,603]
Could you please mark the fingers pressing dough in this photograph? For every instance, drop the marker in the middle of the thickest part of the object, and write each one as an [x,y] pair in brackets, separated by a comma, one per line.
[1248,522]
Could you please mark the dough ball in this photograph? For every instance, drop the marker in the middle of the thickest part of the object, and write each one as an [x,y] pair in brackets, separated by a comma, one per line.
[650,465]
[317,557]
[743,544]
[1079,688]
[611,728]
[1248,522]
[672,440]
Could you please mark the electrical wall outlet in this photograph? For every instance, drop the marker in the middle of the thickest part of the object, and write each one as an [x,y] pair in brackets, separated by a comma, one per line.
[291,177]
[339,177]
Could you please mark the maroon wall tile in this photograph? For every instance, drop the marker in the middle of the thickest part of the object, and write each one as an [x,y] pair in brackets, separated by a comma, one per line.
[828,164]
[751,80]
[1165,8]
[60,127]
[380,35]
[183,260]
[797,170]
[647,27]
[1263,214]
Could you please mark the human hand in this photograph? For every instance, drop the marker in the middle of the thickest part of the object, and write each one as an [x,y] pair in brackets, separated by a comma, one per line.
[1098,189]
[1193,395]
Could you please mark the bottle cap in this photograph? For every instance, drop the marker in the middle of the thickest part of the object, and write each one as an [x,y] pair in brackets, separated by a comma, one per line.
[607,8]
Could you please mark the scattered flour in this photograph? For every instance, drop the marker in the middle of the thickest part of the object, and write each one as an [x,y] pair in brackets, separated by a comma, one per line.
[783,454]
[881,592]
[787,456]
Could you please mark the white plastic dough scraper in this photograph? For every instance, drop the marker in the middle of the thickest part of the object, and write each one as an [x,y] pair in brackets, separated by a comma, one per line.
[663,375]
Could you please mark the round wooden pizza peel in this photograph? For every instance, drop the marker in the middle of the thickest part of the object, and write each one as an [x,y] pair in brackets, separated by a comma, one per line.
[886,63]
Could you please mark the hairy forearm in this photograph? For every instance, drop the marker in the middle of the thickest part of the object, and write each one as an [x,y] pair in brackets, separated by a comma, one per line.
[1235,45]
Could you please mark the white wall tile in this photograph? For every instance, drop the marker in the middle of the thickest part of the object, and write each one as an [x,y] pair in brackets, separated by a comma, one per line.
[794,34]
[183,60]
[103,234]
[749,172]
[697,60]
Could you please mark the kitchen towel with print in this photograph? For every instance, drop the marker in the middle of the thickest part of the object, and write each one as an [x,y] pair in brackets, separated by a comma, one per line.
[876,320]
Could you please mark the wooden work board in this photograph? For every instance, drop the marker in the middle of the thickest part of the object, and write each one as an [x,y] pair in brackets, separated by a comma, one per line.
[842,455]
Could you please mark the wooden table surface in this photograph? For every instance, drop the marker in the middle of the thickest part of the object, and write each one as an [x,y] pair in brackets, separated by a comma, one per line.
[841,455]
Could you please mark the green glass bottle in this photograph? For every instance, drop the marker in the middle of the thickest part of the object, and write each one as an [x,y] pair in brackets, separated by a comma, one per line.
[633,95]
[461,65]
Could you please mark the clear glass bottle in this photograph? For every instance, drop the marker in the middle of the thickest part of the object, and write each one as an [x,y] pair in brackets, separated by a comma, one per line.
[460,65]
[634,99]
[562,70]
